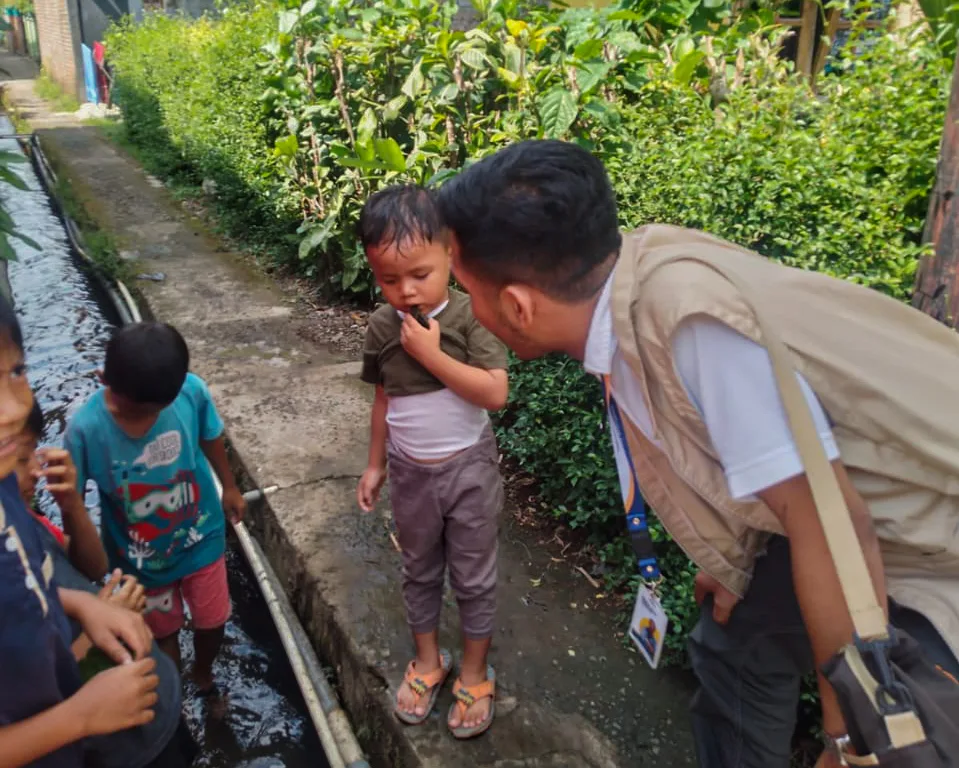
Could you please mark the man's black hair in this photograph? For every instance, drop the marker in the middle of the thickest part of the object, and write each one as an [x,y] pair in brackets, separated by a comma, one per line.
[539,212]
[147,363]
[35,419]
[9,324]
[399,215]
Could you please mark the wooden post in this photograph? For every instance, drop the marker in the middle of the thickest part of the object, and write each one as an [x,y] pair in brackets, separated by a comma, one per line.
[807,37]
[825,46]
[937,281]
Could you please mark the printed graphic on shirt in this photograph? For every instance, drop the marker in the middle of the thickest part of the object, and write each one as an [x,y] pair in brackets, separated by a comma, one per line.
[161,520]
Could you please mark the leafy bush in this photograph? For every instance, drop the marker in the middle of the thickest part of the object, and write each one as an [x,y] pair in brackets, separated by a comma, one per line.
[299,112]
[190,91]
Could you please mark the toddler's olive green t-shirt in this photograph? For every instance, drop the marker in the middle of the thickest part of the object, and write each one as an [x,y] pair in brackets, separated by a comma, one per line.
[386,363]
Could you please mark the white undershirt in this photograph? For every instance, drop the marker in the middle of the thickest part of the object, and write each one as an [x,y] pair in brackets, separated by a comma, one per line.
[436,424]
[729,379]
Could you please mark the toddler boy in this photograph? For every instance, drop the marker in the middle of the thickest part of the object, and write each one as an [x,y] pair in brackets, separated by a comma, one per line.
[437,372]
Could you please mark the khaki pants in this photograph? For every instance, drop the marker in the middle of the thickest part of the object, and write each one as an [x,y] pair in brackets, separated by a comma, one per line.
[447,516]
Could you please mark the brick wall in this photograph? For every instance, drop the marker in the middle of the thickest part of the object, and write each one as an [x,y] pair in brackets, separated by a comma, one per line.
[58,28]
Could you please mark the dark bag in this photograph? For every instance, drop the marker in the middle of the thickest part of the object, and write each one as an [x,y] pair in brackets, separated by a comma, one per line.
[899,708]
[901,711]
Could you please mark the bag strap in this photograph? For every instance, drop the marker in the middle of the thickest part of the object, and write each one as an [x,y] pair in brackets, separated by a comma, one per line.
[868,617]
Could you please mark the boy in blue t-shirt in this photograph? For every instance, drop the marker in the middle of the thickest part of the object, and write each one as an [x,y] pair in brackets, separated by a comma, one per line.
[145,439]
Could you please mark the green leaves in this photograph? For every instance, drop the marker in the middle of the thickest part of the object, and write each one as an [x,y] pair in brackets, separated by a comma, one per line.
[391,154]
[686,68]
[557,111]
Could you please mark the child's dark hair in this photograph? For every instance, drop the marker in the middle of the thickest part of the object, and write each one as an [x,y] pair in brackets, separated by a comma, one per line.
[540,212]
[9,324]
[147,363]
[399,215]
[35,420]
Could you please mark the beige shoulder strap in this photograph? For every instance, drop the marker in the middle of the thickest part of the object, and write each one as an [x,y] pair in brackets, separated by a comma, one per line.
[867,615]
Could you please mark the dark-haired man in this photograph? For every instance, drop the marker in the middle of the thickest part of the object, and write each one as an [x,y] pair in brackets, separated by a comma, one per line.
[702,431]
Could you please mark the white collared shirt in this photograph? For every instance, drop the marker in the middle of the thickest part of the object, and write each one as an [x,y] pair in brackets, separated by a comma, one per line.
[729,379]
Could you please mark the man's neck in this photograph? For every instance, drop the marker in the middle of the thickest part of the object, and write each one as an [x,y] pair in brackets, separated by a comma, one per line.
[578,318]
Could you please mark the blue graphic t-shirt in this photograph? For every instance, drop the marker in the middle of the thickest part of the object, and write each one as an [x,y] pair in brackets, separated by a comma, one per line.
[161,516]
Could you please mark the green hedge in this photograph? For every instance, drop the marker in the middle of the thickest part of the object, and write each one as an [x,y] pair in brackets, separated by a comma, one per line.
[299,112]
[190,93]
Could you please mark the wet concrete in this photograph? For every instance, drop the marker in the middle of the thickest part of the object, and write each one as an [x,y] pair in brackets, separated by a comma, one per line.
[570,693]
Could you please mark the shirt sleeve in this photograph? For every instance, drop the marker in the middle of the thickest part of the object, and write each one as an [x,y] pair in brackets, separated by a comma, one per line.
[730,380]
[483,349]
[371,359]
[211,425]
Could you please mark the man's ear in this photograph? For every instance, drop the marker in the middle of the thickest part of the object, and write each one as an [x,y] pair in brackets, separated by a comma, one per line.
[100,377]
[518,305]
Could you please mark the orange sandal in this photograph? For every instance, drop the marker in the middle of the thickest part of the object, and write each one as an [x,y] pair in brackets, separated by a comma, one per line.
[467,697]
[424,685]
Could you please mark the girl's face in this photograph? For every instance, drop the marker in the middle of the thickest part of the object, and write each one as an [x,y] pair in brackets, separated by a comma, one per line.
[16,400]
[28,468]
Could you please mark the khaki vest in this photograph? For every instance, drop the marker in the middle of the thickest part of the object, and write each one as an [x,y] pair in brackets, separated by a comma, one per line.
[886,374]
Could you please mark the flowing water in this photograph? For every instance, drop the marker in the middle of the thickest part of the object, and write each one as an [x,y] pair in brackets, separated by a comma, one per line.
[262,720]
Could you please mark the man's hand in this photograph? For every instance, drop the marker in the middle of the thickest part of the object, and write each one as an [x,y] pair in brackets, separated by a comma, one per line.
[828,759]
[61,475]
[723,600]
[117,699]
[368,489]
[107,624]
[234,505]
[419,342]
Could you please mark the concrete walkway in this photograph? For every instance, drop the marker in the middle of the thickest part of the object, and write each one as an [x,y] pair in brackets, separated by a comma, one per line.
[571,694]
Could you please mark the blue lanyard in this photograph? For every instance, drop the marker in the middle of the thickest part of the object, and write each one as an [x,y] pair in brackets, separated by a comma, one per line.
[636,522]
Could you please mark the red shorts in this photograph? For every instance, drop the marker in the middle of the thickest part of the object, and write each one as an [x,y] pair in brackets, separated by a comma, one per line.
[205,592]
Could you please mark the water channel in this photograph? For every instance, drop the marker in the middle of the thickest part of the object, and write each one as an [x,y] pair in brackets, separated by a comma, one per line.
[66,321]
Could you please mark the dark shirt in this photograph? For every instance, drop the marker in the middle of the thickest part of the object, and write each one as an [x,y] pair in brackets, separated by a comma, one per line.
[386,363]
[134,747]
[37,668]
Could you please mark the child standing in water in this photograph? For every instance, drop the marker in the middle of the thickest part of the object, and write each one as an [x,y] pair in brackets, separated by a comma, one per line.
[145,439]
[437,372]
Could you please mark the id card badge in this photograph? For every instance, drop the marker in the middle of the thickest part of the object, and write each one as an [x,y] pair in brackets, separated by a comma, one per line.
[648,626]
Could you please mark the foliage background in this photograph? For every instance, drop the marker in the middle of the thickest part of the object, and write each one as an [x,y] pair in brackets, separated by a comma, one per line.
[299,111]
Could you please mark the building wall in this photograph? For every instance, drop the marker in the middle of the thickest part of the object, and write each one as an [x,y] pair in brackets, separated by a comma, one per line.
[58,28]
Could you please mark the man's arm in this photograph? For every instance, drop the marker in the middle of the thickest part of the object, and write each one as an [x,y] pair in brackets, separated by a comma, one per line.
[815,580]
[730,380]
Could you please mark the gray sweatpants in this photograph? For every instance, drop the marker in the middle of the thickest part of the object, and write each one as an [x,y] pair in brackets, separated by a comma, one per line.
[447,516]
[749,670]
